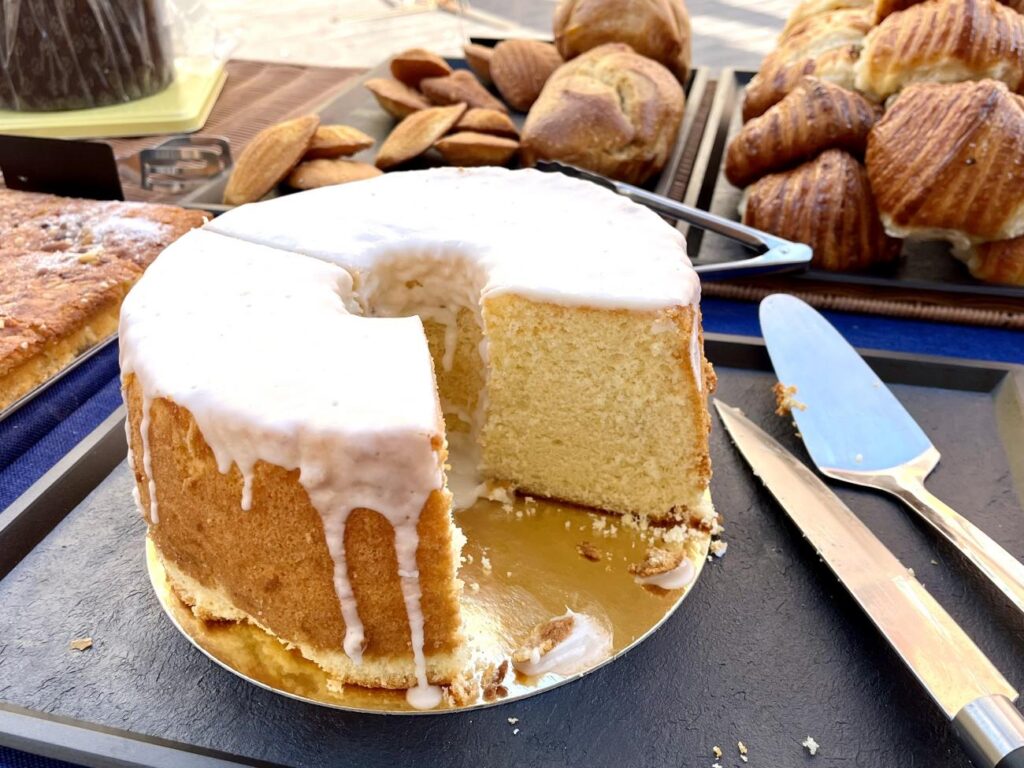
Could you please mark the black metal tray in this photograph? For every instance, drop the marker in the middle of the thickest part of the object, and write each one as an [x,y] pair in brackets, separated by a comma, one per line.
[767,650]
[928,272]
[357,107]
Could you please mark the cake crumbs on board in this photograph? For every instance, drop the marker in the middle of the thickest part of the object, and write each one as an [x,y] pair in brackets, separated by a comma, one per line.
[716,751]
[811,745]
[80,644]
[513,720]
[588,551]
[785,400]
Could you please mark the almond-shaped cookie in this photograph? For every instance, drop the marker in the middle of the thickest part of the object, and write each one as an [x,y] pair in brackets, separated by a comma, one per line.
[326,172]
[487,121]
[479,59]
[395,98]
[268,158]
[468,148]
[416,134]
[460,87]
[520,68]
[413,65]
[337,141]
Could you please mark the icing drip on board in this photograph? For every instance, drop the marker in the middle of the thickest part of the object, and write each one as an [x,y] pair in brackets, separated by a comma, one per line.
[586,643]
[677,578]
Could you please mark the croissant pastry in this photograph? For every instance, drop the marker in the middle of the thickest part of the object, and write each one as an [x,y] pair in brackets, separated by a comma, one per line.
[807,8]
[826,46]
[826,203]
[998,262]
[943,41]
[885,7]
[818,115]
[947,162]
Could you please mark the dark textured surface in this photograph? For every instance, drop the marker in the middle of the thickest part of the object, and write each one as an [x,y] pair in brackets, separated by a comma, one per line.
[768,649]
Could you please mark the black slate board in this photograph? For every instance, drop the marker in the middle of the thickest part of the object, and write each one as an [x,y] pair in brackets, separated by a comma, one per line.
[768,648]
[927,273]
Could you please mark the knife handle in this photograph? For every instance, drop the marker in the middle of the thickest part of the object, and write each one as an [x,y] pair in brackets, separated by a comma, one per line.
[1001,568]
[992,732]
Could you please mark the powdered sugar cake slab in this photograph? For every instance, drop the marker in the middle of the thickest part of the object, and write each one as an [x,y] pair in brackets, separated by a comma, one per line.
[303,375]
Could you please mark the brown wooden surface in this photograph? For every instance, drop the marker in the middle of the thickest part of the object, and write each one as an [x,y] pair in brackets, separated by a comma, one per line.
[256,94]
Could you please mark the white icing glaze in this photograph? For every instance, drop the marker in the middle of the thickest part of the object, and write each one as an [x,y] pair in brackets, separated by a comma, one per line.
[361,434]
[696,353]
[587,643]
[544,236]
[680,576]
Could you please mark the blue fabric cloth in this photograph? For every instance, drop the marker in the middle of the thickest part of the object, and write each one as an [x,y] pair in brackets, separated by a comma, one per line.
[35,438]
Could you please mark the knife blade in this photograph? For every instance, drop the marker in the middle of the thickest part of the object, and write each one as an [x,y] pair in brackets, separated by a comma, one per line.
[856,430]
[960,679]
[775,254]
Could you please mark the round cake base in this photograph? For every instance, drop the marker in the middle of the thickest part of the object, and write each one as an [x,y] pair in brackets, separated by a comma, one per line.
[525,563]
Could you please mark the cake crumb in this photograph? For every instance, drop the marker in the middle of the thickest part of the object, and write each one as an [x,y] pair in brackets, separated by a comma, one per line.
[588,551]
[474,587]
[911,572]
[742,747]
[544,637]
[785,400]
[485,563]
[513,720]
[859,458]
[811,745]
[80,644]
[934,562]
[716,751]
[716,765]
[744,758]
[719,547]
[508,574]
[656,561]
[515,731]
[568,524]
[494,678]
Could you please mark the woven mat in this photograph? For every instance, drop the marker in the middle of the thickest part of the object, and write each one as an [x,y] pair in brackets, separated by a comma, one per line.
[257,94]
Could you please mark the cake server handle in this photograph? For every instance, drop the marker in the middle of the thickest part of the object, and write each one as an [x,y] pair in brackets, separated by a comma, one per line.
[774,253]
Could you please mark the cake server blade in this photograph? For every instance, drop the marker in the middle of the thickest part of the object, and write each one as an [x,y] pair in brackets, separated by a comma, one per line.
[856,430]
[775,255]
[961,680]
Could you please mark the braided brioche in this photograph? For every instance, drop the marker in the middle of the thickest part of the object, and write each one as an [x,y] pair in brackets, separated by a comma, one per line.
[943,41]
[826,203]
[947,162]
[816,116]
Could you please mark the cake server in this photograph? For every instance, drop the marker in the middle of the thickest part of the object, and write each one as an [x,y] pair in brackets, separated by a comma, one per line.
[960,679]
[856,430]
[774,254]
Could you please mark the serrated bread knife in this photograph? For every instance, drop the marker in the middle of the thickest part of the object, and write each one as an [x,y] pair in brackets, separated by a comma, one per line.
[856,430]
[971,692]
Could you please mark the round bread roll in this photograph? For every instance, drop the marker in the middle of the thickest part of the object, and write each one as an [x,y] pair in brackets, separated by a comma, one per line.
[611,111]
[658,29]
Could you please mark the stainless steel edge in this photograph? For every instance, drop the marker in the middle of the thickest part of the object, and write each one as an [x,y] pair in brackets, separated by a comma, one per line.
[698,87]
[941,656]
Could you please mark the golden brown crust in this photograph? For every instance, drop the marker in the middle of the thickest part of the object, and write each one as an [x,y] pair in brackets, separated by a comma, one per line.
[395,98]
[412,66]
[460,87]
[337,141]
[807,8]
[416,134]
[943,41]
[487,121]
[826,203]
[519,69]
[941,163]
[884,8]
[611,111]
[825,45]
[998,262]
[468,149]
[657,29]
[816,116]
[268,158]
[203,530]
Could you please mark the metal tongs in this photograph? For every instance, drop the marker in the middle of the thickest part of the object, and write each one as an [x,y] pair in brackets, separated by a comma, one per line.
[774,255]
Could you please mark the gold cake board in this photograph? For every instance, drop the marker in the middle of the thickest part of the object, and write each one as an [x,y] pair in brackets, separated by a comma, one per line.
[535,572]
